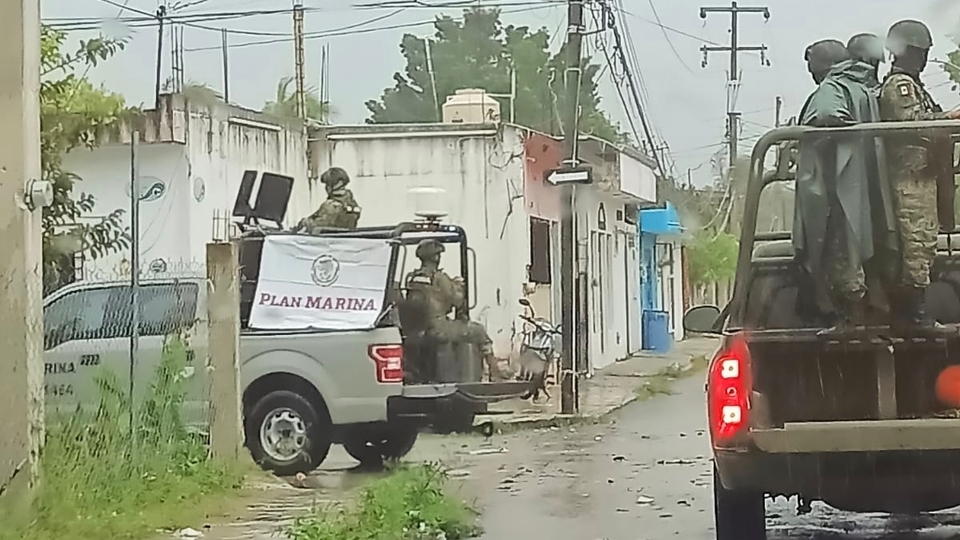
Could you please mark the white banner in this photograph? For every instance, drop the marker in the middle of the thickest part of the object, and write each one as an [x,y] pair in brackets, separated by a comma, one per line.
[329,283]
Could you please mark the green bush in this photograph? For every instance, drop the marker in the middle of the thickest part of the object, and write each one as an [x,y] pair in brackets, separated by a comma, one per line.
[101,479]
[409,504]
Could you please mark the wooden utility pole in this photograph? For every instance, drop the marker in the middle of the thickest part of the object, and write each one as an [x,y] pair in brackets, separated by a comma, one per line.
[733,78]
[22,195]
[299,60]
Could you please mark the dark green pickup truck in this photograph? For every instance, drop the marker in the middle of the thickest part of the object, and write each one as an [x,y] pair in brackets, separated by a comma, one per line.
[848,419]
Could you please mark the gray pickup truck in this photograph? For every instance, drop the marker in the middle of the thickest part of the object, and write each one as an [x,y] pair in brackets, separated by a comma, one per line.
[298,398]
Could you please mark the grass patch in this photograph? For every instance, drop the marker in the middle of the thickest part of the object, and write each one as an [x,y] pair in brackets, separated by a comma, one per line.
[100,479]
[409,504]
[661,382]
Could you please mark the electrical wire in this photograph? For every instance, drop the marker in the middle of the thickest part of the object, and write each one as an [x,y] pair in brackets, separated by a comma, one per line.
[354,29]
[653,8]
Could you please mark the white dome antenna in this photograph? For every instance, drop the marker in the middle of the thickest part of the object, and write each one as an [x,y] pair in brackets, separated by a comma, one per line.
[429,203]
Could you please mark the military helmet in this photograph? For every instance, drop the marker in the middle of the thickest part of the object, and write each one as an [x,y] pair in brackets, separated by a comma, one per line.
[866,48]
[335,177]
[908,33]
[429,248]
[824,54]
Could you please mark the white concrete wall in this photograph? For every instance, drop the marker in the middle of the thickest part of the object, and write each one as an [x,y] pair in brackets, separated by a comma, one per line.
[610,261]
[201,174]
[483,179]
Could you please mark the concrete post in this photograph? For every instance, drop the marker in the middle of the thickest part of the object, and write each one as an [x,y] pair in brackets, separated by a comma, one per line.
[21,325]
[223,346]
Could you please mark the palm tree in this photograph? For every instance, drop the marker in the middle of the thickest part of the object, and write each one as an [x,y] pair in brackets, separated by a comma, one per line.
[285,103]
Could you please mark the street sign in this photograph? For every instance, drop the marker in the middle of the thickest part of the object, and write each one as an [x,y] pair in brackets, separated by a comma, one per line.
[569,175]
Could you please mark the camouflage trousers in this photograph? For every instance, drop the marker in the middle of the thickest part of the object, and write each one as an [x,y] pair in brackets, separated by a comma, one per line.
[918,223]
[845,277]
[466,331]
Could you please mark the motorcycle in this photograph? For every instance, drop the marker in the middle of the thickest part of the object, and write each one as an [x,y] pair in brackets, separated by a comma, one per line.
[538,350]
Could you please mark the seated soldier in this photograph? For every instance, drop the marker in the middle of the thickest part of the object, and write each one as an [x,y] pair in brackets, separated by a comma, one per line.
[440,294]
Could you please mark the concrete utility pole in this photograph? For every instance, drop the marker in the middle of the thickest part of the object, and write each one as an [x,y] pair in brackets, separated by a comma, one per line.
[225,47]
[733,118]
[161,14]
[223,313]
[299,60]
[22,195]
[569,397]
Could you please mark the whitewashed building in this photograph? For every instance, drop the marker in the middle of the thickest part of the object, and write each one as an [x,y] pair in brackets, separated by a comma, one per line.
[492,176]
[192,156]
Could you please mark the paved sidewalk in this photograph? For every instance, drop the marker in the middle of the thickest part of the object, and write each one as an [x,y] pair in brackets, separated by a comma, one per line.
[609,389]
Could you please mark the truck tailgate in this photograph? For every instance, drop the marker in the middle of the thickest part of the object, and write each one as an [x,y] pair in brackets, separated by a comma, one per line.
[860,436]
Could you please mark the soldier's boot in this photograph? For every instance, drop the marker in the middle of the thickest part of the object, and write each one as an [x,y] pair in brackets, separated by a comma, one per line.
[493,367]
[852,316]
[916,315]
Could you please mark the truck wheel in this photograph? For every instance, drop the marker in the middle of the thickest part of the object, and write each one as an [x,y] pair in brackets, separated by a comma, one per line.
[392,443]
[739,515]
[286,434]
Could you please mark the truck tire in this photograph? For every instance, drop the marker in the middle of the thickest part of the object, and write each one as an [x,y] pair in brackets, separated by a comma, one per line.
[372,451]
[286,434]
[739,515]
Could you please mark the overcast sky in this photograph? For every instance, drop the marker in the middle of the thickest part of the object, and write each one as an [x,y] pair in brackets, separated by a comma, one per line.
[686,103]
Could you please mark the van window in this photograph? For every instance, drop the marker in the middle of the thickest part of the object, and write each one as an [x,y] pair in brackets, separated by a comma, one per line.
[104,313]
[76,315]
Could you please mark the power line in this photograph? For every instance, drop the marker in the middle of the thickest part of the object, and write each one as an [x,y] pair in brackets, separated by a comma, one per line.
[356,29]
[611,23]
[653,7]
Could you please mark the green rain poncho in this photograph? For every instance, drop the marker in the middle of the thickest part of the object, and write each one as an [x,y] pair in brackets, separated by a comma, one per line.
[843,172]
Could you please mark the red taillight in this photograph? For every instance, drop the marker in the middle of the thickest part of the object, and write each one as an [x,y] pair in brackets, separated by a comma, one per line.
[729,386]
[389,360]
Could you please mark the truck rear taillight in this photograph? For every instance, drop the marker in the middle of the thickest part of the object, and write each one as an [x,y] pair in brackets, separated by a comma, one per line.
[729,385]
[389,360]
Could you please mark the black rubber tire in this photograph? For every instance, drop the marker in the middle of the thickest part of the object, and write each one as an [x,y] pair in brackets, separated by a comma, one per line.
[373,449]
[317,425]
[738,515]
[454,420]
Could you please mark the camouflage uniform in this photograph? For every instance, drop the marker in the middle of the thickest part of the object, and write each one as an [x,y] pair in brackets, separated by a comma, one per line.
[340,210]
[442,294]
[910,160]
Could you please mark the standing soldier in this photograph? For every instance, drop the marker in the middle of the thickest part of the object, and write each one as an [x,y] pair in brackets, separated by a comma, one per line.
[340,210]
[441,294]
[842,206]
[868,48]
[916,165]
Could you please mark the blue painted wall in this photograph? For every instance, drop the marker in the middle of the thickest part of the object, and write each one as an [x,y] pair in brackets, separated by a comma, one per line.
[654,223]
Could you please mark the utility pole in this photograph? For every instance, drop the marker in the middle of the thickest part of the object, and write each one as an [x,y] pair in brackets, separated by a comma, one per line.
[298,53]
[22,194]
[734,76]
[225,46]
[161,14]
[569,397]
[779,111]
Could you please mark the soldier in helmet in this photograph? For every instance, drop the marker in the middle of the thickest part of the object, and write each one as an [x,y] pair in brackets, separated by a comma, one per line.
[919,167]
[868,48]
[441,294]
[340,210]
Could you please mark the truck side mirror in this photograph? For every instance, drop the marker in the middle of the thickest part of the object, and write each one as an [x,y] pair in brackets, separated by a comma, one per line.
[701,319]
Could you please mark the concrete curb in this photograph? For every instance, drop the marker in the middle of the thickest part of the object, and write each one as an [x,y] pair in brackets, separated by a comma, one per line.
[557,420]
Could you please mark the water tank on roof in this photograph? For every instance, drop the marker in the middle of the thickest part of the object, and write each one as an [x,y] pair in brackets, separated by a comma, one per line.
[471,106]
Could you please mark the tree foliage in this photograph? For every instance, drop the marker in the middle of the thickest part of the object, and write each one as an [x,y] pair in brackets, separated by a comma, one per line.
[712,256]
[480,52]
[74,114]
[284,104]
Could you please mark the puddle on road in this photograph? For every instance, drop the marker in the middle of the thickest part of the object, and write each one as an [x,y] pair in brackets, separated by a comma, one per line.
[274,503]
